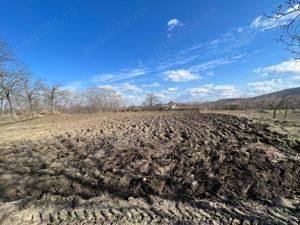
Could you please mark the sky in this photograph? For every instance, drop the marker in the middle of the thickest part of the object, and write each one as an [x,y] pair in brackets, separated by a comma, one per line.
[180,50]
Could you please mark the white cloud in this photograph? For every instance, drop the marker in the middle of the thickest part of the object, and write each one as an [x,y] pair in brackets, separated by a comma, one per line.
[173,23]
[286,67]
[130,88]
[169,92]
[226,90]
[214,91]
[210,73]
[200,91]
[172,89]
[266,86]
[269,23]
[239,30]
[180,75]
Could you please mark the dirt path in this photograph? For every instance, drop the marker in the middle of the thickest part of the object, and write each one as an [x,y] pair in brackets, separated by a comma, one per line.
[168,167]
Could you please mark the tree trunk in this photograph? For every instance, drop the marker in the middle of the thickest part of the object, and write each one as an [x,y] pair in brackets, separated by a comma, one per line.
[52,107]
[10,106]
[285,114]
[1,106]
[260,114]
[30,102]
[274,113]
[30,107]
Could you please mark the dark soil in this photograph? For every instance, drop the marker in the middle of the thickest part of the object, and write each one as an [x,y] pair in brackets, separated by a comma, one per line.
[182,156]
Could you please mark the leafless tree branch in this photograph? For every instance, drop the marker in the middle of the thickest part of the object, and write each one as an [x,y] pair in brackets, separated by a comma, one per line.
[290,13]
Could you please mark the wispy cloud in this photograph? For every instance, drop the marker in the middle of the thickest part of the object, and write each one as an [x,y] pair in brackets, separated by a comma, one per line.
[264,23]
[180,75]
[262,83]
[229,43]
[212,64]
[296,78]
[123,75]
[226,44]
[151,85]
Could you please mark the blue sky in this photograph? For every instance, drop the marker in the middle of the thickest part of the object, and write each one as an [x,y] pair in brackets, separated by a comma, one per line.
[180,50]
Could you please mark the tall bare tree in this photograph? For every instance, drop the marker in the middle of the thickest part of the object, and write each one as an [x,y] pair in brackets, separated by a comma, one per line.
[31,90]
[52,95]
[288,15]
[9,85]
[9,80]
[276,103]
[151,100]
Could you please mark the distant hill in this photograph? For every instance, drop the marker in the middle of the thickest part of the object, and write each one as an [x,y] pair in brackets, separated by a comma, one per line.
[282,93]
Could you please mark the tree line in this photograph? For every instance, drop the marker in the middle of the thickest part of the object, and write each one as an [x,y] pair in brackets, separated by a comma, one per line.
[262,105]
[20,91]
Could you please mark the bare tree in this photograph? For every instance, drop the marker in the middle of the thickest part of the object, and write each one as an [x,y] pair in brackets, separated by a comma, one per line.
[289,104]
[288,16]
[103,99]
[276,103]
[52,95]
[10,77]
[31,90]
[151,100]
[261,105]
[9,85]
[115,101]
[295,103]
[15,83]
[94,99]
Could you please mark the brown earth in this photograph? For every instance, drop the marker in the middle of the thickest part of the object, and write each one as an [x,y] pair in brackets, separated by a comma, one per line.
[160,165]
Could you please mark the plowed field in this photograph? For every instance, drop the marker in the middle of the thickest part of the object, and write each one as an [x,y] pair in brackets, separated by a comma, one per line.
[167,167]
